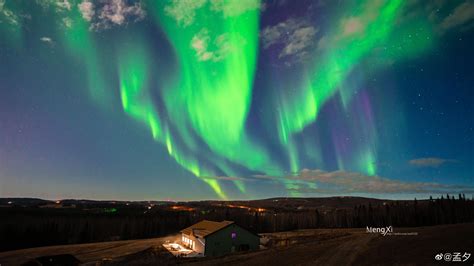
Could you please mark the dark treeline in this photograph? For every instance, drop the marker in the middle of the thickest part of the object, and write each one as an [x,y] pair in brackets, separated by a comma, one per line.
[414,213]
[31,227]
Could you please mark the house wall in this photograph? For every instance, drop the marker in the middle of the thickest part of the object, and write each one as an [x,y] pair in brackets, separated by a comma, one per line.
[221,242]
[199,243]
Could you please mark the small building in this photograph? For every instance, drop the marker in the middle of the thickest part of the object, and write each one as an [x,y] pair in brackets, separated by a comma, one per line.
[218,238]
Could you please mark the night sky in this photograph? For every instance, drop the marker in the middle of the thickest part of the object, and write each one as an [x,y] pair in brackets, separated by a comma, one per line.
[210,99]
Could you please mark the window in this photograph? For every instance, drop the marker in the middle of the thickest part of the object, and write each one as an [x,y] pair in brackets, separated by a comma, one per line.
[233,235]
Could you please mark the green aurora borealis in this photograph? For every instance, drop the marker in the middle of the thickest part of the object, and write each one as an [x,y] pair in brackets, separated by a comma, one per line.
[191,75]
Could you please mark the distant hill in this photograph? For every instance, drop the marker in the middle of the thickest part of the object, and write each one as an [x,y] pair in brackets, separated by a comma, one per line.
[301,203]
[271,203]
[32,202]
[328,202]
[23,201]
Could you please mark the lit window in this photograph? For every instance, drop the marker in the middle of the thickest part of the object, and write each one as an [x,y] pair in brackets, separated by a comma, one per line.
[233,235]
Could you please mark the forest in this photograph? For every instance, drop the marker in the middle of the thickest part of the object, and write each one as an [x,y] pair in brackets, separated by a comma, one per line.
[24,227]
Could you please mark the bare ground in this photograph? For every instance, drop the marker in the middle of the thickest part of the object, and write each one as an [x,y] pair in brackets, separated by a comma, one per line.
[305,247]
[86,253]
[361,248]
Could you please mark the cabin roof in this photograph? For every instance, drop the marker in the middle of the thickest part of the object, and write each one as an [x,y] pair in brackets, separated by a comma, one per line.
[205,228]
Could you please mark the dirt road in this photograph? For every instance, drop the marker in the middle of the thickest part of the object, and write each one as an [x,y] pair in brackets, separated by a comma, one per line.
[84,252]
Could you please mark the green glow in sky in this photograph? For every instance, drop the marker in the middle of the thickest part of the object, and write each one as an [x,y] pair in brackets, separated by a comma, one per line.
[11,23]
[134,72]
[199,109]
[81,45]
[372,27]
[217,59]
[348,45]
[134,93]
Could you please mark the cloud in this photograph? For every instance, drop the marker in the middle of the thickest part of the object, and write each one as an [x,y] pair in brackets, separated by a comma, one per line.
[460,17]
[87,10]
[430,162]
[64,5]
[184,11]
[47,40]
[202,41]
[295,36]
[67,22]
[118,12]
[7,15]
[344,182]
[301,39]
[62,8]
[58,5]
[350,27]
[462,14]
[110,13]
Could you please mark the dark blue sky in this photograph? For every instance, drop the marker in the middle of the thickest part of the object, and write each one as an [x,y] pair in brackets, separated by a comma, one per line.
[141,100]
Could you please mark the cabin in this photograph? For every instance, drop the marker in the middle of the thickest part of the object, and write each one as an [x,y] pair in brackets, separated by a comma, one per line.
[218,238]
